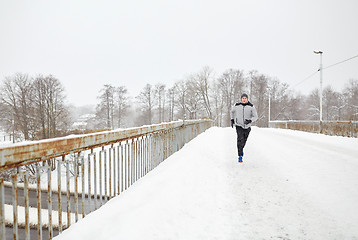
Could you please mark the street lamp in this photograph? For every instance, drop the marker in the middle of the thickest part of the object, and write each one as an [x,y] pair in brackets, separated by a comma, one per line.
[321,93]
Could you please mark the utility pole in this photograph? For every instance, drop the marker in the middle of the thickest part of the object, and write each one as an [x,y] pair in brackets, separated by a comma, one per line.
[321,91]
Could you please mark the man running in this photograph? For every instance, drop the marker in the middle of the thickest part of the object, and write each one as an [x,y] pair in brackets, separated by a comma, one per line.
[242,115]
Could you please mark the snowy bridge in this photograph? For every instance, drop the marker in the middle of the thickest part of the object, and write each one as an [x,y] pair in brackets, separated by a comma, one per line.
[49,184]
[291,185]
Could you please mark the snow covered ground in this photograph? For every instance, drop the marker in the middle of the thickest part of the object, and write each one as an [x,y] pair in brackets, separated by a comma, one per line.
[292,185]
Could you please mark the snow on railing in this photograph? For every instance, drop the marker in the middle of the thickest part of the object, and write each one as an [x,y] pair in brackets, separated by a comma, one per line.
[333,128]
[67,178]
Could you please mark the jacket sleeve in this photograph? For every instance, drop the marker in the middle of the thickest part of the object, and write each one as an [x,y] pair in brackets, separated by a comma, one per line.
[232,113]
[254,116]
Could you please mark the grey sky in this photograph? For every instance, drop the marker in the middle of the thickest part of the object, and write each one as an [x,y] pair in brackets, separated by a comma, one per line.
[87,44]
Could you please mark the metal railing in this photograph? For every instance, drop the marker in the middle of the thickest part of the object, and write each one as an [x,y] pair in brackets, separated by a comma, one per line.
[64,179]
[333,128]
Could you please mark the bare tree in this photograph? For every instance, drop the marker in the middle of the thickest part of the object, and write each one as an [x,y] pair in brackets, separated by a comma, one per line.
[218,104]
[159,94]
[193,99]
[171,103]
[201,83]
[312,105]
[40,103]
[279,98]
[295,110]
[350,94]
[180,98]
[121,103]
[231,84]
[146,104]
[56,110]
[17,99]
[49,101]
[259,96]
[331,103]
[105,108]
[35,107]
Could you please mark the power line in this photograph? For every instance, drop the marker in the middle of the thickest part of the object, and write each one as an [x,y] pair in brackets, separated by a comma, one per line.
[340,62]
[306,78]
[324,68]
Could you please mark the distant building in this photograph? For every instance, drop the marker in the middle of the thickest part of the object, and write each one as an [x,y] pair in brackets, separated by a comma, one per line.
[85,121]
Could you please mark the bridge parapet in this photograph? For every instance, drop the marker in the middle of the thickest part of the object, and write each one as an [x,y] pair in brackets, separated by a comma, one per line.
[333,128]
[90,169]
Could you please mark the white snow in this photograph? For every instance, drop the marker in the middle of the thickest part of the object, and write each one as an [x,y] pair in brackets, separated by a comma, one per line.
[291,185]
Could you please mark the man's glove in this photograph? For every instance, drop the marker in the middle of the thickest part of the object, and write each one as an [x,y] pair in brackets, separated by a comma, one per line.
[247,121]
[232,123]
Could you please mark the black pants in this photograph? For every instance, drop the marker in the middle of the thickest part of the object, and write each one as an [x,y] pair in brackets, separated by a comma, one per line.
[242,135]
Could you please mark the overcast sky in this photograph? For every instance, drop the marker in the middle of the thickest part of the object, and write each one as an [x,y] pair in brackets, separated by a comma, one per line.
[87,44]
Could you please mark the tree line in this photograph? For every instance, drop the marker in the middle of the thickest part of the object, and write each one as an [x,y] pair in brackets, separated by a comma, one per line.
[35,106]
[204,95]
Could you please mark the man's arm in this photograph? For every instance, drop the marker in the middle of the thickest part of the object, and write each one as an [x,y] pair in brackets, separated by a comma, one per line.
[232,115]
[254,116]
[232,112]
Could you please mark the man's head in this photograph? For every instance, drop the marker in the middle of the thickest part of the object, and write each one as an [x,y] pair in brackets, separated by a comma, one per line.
[244,98]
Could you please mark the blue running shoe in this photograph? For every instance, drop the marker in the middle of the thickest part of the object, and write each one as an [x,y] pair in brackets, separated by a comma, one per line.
[240,158]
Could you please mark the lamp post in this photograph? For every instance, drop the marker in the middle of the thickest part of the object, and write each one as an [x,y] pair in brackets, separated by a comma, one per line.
[269,110]
[321,93]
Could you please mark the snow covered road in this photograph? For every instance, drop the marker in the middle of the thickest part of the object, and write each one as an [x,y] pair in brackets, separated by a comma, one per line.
[292,185]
